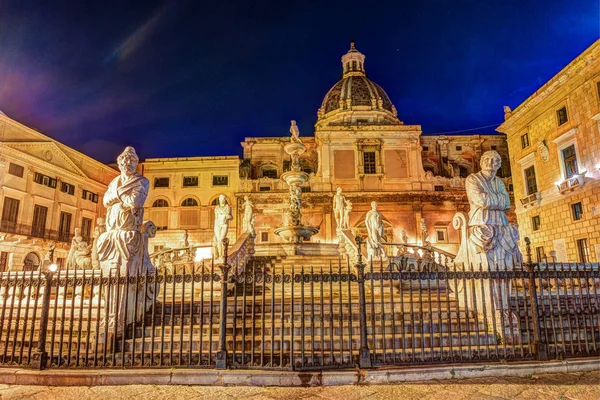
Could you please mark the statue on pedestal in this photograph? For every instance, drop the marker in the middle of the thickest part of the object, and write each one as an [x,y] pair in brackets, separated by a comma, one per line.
[221,227]
[249,218]
[295,132]
[123,248]
[491,241]
[347,210]
[77,239]
[49,256]
[375,232]
[338,208]
[424,233]
[404,236]
[185,239]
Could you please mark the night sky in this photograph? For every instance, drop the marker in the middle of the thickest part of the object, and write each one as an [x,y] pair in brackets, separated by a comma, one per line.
[194,78]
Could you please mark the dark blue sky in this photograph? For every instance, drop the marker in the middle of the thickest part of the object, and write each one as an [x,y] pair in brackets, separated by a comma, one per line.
[194,78]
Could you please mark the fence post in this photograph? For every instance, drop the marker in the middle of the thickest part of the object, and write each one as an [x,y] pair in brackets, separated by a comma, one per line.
[365,353]
[539,347]
[41,353]
[221,362]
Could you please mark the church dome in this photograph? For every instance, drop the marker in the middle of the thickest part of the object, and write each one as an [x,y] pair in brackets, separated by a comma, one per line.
[355,91]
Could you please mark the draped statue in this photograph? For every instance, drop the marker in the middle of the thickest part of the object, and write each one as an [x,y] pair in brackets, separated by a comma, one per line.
[492,239]
[77,239]
[375,232]
[123,247]
[249,218]
[490,243]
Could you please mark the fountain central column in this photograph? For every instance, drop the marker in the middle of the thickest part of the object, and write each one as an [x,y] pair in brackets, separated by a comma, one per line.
[293,230]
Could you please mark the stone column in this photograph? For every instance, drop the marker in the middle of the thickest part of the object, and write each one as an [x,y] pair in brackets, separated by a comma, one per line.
[418,212]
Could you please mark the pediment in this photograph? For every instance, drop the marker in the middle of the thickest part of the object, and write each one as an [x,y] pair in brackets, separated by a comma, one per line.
[47,152]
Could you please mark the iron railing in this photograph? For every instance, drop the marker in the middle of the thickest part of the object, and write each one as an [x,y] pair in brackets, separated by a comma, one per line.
[34,231]
[274,314]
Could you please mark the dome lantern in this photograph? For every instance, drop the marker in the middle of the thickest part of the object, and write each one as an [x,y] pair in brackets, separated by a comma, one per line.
[353,62]
[356,93]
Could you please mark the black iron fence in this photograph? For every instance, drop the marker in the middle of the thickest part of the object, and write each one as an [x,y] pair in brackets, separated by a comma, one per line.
[276,315]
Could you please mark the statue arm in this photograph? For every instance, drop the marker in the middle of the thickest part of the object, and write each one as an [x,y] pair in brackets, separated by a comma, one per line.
[479,197]
[504,195]
[135,197]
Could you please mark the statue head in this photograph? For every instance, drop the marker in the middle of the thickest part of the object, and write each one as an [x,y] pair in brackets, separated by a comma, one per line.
[490,162]
[374,205]
[246,198]
[222,199]
[128,161]
[339,190]
[100,221]
[77,231]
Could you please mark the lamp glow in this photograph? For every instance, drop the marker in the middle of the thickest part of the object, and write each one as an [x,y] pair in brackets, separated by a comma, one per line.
[53,268]
[202,253]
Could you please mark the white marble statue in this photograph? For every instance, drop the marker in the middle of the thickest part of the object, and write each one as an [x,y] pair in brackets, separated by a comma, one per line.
[77,239]
[123,248]
[543,149]
[424,233]
[338,208]
[347,210]
[295,132]
[492,239]
[404,236]
[375,232]
[249,218]
[49,256]
[222,218]
[98,230]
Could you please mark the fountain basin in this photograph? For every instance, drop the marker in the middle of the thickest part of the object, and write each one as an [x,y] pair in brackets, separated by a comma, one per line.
[294,148]
[294,177]
[295,233]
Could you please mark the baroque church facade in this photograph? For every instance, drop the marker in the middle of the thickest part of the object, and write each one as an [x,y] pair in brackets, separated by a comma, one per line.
[359,145]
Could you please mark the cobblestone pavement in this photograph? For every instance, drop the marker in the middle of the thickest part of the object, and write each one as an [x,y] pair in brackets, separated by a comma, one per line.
[581,386]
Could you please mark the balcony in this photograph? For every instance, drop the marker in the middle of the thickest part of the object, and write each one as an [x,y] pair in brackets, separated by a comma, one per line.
[572,183]
[32,231]
[531,200]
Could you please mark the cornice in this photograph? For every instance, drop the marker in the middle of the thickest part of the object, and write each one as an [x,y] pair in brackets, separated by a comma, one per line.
[574,68]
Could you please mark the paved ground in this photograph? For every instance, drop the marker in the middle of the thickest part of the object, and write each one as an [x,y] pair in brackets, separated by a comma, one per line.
[581,386]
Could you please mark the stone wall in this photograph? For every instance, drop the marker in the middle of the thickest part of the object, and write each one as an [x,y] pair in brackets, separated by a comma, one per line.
[576,88]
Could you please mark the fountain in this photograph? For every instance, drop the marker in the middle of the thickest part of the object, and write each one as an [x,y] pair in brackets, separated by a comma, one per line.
[293,230]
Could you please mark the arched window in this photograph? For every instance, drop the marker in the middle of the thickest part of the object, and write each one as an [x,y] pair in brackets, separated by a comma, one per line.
[215,202]
[189,217]
[160,203]
[189,202]
[160,217]
[31,262]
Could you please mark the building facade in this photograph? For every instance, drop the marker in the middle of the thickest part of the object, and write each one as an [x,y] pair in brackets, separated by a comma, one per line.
[47,190]
[361,146]
[554,146]
[182,196]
